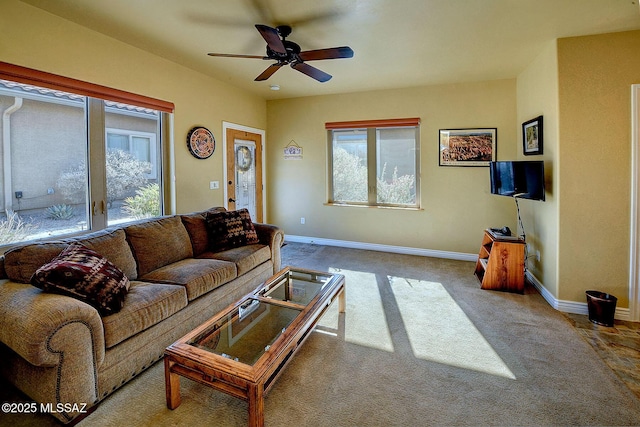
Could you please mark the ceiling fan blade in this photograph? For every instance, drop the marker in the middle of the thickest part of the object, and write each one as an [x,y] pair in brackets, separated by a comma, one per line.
[271,36]
[312,72]
[330,53]
[231,55]
[269,72]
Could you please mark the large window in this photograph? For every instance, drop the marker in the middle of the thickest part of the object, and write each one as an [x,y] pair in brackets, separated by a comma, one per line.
[72,163]
[374,163]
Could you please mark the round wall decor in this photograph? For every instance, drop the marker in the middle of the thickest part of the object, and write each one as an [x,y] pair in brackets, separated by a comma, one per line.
[201,142]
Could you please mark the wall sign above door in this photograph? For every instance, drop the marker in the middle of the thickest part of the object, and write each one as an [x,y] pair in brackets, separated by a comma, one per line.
[201,142]
[293,151]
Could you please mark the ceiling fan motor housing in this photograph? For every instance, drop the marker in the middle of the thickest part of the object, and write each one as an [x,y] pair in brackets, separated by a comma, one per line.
[293,49]
[283,30]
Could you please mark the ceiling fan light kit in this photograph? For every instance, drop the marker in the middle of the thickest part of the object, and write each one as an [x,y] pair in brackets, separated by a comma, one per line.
[286,52]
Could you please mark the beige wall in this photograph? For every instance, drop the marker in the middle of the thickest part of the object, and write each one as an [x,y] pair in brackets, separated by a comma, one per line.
[36,39]
[538,96]
[595,75]
[456,201]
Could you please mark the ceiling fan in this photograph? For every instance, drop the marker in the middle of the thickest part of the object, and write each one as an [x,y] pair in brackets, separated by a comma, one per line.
[287,52]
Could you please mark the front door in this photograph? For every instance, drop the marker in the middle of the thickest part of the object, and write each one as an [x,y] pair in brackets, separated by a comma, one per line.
[244,172]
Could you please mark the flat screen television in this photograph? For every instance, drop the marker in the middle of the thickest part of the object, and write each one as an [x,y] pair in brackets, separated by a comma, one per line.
[522,179]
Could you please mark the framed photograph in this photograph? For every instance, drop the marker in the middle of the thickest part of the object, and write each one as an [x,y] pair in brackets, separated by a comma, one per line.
[532,136]
[468,147]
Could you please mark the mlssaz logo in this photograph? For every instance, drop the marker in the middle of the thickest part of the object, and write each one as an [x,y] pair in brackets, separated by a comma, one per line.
[63,407]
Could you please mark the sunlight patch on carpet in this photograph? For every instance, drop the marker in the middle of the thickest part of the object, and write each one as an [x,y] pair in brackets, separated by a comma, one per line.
[440,331]
[365,321]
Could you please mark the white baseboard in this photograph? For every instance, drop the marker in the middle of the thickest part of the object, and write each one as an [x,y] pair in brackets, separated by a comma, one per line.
[382,248]
[560,305]
[570,306]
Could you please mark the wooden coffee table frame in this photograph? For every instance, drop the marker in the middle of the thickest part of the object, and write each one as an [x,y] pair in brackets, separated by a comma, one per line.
[246,382]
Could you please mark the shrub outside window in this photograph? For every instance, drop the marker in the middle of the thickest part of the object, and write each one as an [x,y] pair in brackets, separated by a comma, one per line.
[141,145]
[374,163]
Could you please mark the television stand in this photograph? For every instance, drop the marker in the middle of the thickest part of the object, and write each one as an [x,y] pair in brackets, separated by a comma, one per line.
[500,264]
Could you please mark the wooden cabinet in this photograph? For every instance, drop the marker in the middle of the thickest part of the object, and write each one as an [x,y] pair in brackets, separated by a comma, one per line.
[500,264]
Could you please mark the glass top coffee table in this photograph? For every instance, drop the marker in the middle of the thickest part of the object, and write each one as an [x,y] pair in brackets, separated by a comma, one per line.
[242,350]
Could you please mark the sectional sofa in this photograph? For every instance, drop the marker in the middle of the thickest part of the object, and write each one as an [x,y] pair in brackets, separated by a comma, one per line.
[163,276]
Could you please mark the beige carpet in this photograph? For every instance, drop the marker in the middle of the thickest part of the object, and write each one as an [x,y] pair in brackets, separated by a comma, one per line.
[421,344]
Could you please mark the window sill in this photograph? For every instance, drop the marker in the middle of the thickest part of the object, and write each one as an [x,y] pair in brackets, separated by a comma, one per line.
[353,205]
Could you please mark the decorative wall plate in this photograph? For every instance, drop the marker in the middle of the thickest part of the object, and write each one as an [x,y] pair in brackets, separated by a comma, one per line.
[201,142]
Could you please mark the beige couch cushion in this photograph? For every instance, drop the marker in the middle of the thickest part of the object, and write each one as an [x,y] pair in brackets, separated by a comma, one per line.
[20,263]
[82,273]
[113,245]
[157,243]
[198,276]
[244,257]
[145,305]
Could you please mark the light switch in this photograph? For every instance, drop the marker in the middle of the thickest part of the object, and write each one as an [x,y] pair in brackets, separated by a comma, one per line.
[214,185]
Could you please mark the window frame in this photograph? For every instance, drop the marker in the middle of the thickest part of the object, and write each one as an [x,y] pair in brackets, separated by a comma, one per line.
[97,100]
[371,127]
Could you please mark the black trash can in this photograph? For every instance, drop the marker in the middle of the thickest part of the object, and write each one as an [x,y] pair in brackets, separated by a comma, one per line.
[602,307]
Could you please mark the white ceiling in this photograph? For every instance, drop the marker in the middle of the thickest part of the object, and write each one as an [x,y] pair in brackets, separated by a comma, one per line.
[397,43]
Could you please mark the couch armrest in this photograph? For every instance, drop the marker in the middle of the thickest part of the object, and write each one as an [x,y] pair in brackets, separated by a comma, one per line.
[34,325]
[274,237]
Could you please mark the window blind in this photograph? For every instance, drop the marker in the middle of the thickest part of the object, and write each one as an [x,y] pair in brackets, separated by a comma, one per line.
[384,123]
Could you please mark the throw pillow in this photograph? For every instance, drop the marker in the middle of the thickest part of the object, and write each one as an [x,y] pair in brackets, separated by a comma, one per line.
[84,274]
[197,228]
[230,229]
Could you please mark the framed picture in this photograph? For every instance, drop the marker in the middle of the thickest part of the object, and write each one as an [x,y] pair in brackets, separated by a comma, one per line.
[468,147]
[532,136]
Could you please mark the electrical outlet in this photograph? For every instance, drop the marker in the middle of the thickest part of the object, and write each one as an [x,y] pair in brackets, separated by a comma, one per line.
[302,220]
[538,256]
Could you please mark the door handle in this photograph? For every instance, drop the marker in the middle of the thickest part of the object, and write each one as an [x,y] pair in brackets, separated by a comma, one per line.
[94,207]
[231,200]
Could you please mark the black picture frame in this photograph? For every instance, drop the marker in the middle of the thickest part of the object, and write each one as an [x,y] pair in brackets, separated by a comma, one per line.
[467,147]
[532,137]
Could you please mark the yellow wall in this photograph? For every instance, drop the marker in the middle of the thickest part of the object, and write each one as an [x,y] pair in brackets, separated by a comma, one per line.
[595,77]
[538,96]
[456,201]
[36,39]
